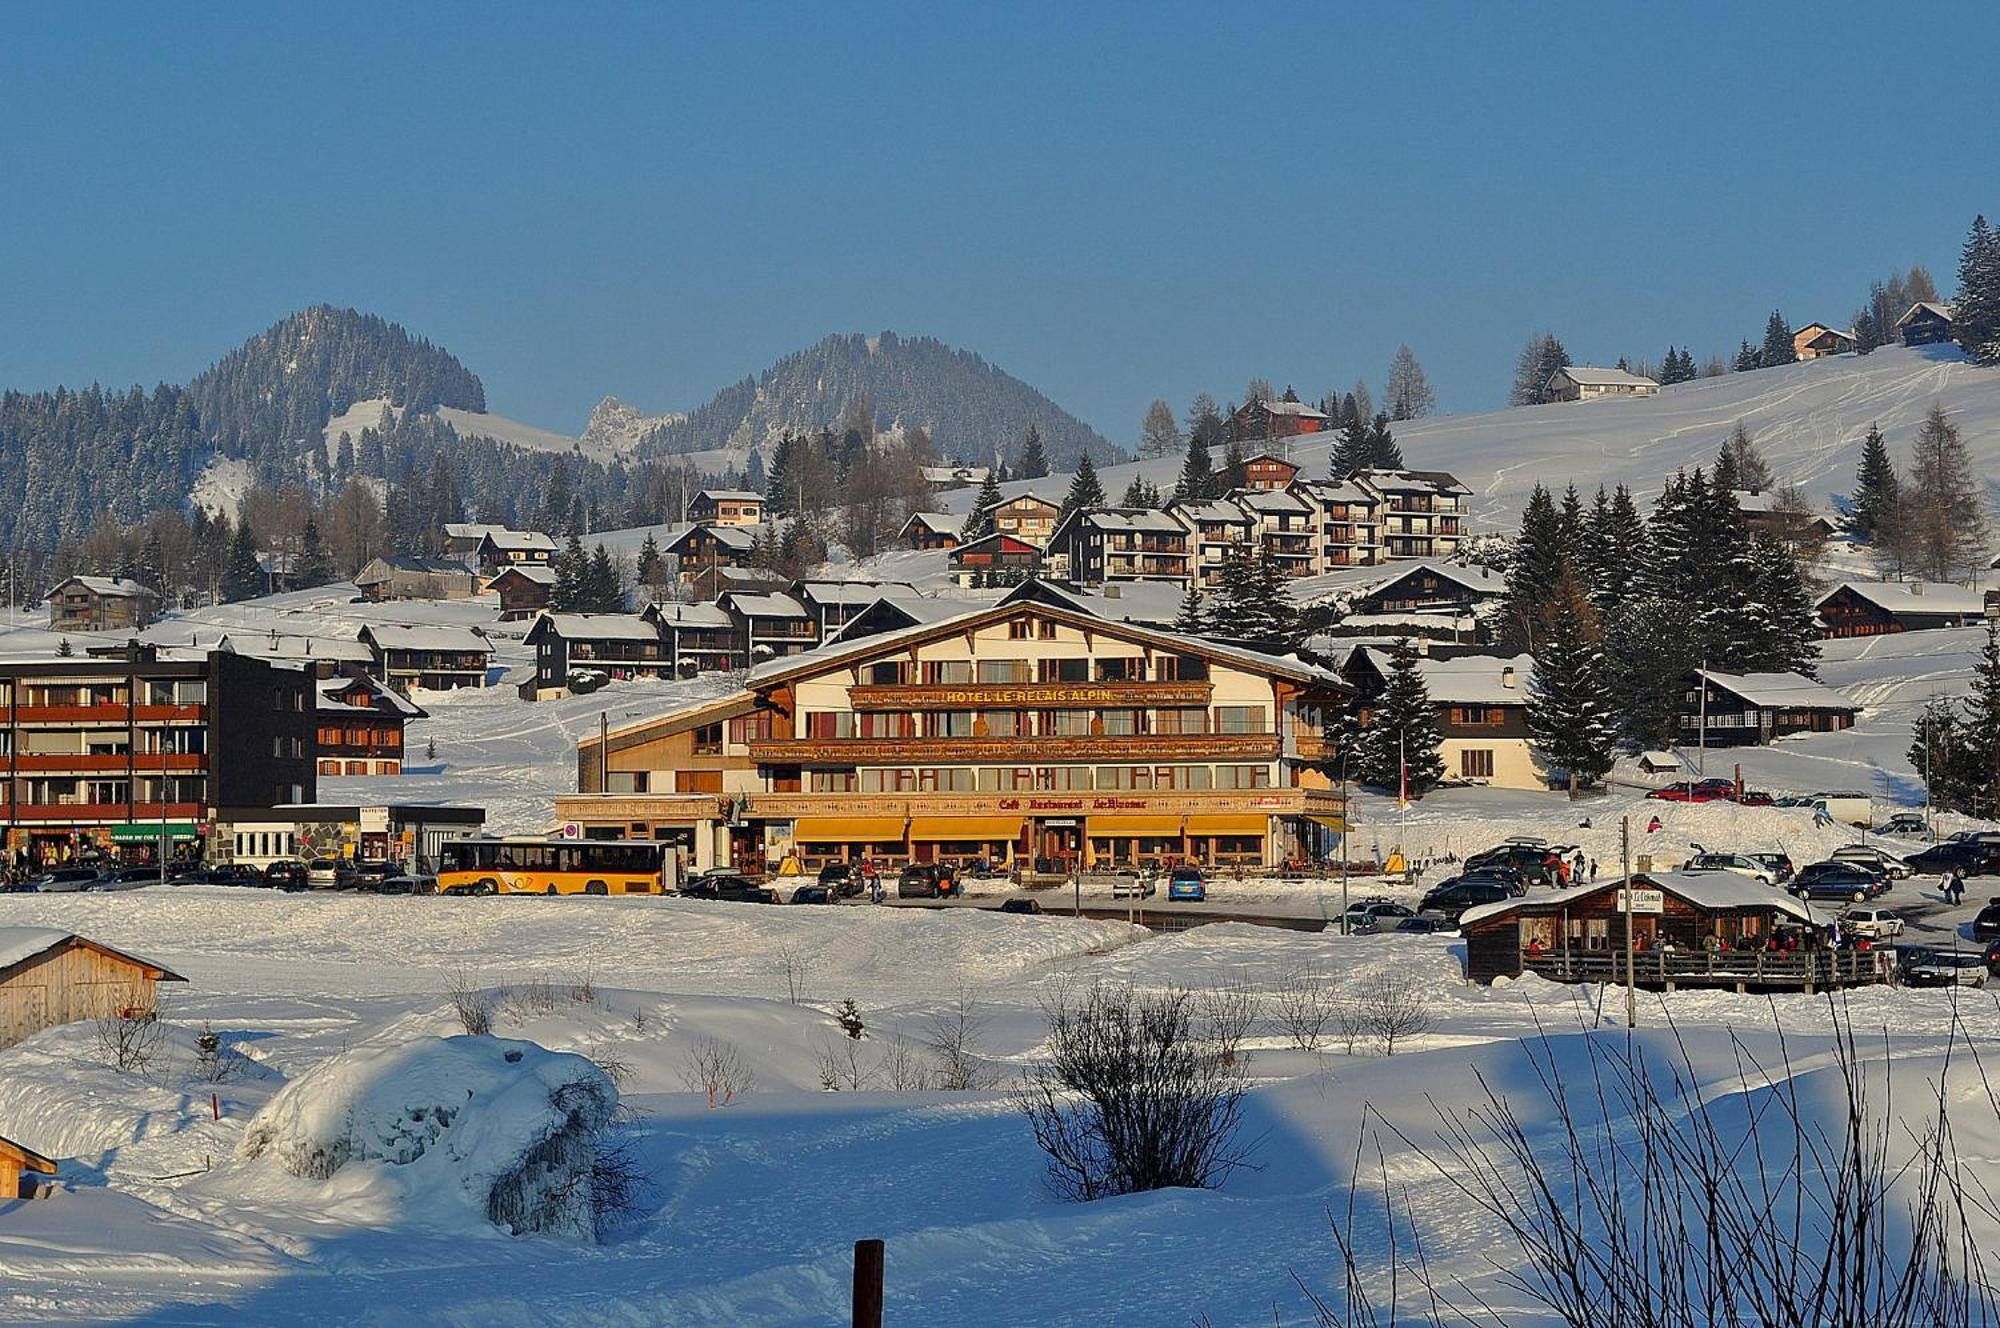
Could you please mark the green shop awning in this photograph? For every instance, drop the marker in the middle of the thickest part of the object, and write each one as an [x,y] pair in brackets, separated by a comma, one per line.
[149,832]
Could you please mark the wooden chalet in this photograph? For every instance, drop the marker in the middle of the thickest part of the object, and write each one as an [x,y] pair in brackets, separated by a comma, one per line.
[402,576]
[1745,709]
[1816,341]
[524,590]
[774,625]
[994,559]
[1707,929]
[1883,608]
[835,603]
[1584,382]
[435,658]
[100,604]
[727,507]
[701,548]
[1122,544]
[17,1160]
[1766,513]
[1481,706]
[50,977]
[1030,516]
[1926,324]
[1274,419]
[461,539]
[501,549]
[699,638]
[618,645]
[1432,587]
[931,530]
[1267,473]
[360,725]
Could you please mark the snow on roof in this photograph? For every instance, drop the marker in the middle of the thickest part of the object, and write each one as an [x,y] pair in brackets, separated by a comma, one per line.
[1218,511]
[940,474]
[471,530]
[1371,623]
[739,538]
[1711,890]
[524,540]
[1943,311]
[1412,481]
[1041,498]
[1272,500]
[917,609]
[1589,375]
[1926,597]
[388,636]
[386,698]
[1298,409]
[1779,691]
[846,592]
[942,523]
[19,944]
[598,626]
[1660,758]
[692,615]
[766,606]
[1482,579]
[1478,679]
[111,587]
[1142,519]
[382,568]
[729,496]
[539,573]
[293,649]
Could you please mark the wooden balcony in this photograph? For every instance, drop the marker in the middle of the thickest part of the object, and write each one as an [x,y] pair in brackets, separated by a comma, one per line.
[1029,696]
[1086,749]
[115,713]
[145,763]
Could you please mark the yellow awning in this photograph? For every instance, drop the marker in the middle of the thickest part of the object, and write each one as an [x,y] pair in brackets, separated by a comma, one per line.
[848,829]
[1135,825]
[1333,821]
[990,829]
[1228,825]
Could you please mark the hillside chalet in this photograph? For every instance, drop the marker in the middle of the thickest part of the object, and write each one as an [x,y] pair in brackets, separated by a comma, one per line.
[524,590]
[1254,420]
[1481,705]
[726,507]
[617,645]
[501,549]
[1883,608]
[320,656]
[1220,532]
[1583,382]
[1926,324]
[1029,516]
[1432,587]
[774,625]
[704,547]
[994,559]
[835,603]
[1735,710]
[1817,340]
[699,638]
[434,658]
[360,724]
[1707,929]
[404,576]
[1122,544]
[100,604]
[461,539]
[1766,513]
[931,530]
[1267,473]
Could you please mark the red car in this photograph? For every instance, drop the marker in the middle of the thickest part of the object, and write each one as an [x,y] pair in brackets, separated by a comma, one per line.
[1707,790]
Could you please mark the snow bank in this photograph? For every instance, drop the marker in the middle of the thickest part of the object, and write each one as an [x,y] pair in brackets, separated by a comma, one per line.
[456,1130]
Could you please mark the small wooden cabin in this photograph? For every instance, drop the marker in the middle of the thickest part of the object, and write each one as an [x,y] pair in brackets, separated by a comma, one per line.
[15,1159]
[1926,324]
[50,977]
[1705,929]
[524,590]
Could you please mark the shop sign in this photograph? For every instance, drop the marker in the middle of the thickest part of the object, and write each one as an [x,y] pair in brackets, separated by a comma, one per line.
[1643,901]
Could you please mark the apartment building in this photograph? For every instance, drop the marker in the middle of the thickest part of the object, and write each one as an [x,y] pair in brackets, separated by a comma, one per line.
[360,726]
[1121,544]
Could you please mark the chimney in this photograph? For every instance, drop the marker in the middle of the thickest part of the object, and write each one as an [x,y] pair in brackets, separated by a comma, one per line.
[1507,676]
[1916,587]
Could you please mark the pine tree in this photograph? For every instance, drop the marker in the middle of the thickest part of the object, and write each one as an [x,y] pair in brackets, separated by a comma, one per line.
[313,566]
[64,649]
[979,521]
[1197,481]
[1651,646]
[1536,563]
[1402,733]
[1783,607]
[1191,621]
[1569,525]
[1140,493]
[1777,347]
[1747,358]
[1537,362]
[606,583]
[1086,492]
[572,567]
[1569,697]
[1340,740]
[1975,315]
[1354,451]
[1250,605]
[1034,460]
[1383,453]
[1624,552]
[1941,756]
[1875,486]
[1231,478]
[243,577]
[1980,734]
[1942,521]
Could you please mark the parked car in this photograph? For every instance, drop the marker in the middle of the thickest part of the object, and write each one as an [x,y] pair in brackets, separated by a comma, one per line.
[1706,790]
[1456,895]
[812,894]
[1740,863]
[1993,956]
[63,880]
[329,874]
[410,883]
[1839,880]
[1965,856]
[1874,922]
[1986,927]
[1948,968]
[925,880]
[843,878]
[1425,923]
[1380,910]
[1755,798]
[124,878]
[1023,905]
[368,874]
[1779,863]
[1888,863]
[1133,885]
[728,884]
[1188,883]
[1904,823]
[1536,864]
[286,874]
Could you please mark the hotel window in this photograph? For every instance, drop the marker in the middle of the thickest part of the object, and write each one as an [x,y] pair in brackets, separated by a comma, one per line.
[989,781]
[1065,670]
[888,724]
[750,728]
[951,724]
[833,781]
[1020,629]
[1121,723]
[1165,776]
[824,724]
[1242,776]
[1475,764]
[1123,668]
[1004,724]
[887,674]
[1003,670]
[1066,723]
[1019,779]
[949,779]
[1478,716]
[1196,777]
[1045,629]
[1240,719]
[1072,777]
[1180,721]
[1114,777]
[708,740]
[948,672]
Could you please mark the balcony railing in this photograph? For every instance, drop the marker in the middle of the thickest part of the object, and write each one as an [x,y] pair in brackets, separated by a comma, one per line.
[1027,695]
[105,811]
[1089,748]
[145,763]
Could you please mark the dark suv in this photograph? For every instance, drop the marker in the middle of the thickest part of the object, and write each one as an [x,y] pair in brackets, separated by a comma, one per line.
[925,880]
[1458,894]
[726,883]
[842,878]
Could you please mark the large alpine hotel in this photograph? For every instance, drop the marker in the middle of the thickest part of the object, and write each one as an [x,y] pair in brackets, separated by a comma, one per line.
[1024,734]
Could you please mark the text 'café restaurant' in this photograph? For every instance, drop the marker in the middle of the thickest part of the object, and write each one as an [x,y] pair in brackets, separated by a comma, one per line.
[1023,734]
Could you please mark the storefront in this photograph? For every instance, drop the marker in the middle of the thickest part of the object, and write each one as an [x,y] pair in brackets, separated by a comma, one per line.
[407,834]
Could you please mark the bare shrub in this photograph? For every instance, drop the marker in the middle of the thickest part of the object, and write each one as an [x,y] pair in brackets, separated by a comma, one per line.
[953,1034]
[1350,1024]
[583,981]
[716,1068]
[903,1068]
[213,1062]
[1305,1006]
[607,1059]
[133,1038]
[1394,1008]
[1229,1010]
[536,996]
[842,1065]
[471,1002]
[1633,1198]
[620,1189]
[1136,1093]
[798,962]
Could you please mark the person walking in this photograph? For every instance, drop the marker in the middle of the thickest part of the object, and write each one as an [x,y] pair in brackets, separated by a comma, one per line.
[1593,871]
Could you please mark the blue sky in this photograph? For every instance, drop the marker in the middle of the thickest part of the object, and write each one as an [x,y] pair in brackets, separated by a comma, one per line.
[1115,202]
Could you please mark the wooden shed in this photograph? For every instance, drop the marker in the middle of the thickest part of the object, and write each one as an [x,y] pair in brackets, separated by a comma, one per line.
[15,1159]
[50,977]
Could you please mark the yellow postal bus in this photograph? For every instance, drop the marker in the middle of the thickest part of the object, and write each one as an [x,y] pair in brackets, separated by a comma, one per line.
[526,866]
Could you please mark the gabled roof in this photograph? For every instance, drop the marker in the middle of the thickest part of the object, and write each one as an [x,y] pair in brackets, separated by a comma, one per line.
[1779,691]
[1412,481]
[1148,603]
[107,587]
[740,539]
[1286,462]
[1930,307]
[1007,542]
[386,699]
[1214,512]
[1041,498]
[383,568]
[1716,891]
[938,523]
[539,573]
[823,592]
[1121,520]
[1466,679]
[472,530]
[764,606]
[525,541]
[295,649]
[1479,580]
[1928,598]
[729,496]
[387,636]
[689,617]
[1337,491]
[892,612]
[1589,375]
[1295,408]
[18,945]
[593,627]
[1271,500]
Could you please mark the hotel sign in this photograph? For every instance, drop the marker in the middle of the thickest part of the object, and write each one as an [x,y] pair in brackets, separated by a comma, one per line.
[765,806]
[1029,696]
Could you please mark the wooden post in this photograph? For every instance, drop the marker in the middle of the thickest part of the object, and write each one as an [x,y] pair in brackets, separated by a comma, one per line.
[867,1284]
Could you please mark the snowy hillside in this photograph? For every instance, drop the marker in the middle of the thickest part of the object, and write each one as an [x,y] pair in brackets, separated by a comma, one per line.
[1807,419]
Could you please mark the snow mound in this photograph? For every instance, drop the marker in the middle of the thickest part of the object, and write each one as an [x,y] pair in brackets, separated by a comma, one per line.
[452,1130]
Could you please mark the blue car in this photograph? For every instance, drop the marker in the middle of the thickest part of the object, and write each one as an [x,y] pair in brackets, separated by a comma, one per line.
[1187,883]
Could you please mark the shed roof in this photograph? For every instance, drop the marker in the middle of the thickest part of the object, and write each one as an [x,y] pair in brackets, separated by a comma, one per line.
[1779,690]
[1589,375]
[1925,597]
[391,636]
[1932,307]
[1717,891]
[938,523]
[20,944]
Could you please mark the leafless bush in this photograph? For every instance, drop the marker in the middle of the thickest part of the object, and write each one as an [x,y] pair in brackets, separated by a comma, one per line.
[1638,1200]
[798,962]
[583,982]
[1394,1008]
[471,1002]
[607,1059]
[903,1068]
[1136,1093]
[133,1038]
[619,1187]
[842,1064]
[953,1034]
[1229,1009]
[1350,1024]
[716,1068]
[1305,1006]
[213,1062]
[536,996]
